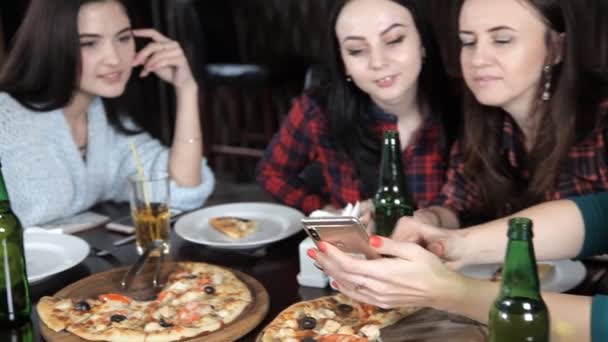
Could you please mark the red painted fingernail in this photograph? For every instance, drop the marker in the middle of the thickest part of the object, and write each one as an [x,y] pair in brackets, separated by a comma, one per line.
[312,253]
[322,247]
[375,241]
[334,284]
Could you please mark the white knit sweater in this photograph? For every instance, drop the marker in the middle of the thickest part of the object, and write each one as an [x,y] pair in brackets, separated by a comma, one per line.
[47,178]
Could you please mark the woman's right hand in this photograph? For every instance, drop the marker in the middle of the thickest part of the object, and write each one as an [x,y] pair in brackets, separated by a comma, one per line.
[448,244]
[164,57]
[411,277]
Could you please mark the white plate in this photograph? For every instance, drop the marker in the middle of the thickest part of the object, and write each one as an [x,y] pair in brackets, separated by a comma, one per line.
[48,253]
[568,274]
[274,222]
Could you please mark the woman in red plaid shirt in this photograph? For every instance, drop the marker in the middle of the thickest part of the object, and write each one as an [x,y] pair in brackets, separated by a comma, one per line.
[534,123]
[385,73]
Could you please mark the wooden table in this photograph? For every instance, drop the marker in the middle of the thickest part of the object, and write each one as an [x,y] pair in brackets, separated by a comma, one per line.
[276,269]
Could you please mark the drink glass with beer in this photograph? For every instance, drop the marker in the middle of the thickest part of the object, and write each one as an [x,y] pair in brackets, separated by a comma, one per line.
[150,209]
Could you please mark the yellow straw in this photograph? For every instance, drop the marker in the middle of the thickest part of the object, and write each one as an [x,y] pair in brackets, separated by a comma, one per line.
[140,173]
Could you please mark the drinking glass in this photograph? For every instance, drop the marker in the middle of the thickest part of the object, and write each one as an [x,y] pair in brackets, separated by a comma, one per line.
[150,209]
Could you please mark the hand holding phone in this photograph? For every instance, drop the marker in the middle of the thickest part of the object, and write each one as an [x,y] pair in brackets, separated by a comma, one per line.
[346,233]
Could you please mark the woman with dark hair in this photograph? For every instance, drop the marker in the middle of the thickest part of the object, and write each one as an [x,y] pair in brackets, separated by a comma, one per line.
[534,115]
[507,46]
[385,73]
[415,276]
[64,140]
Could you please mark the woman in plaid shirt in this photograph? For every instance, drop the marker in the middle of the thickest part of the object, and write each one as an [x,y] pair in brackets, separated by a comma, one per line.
[385,73]
[534,123]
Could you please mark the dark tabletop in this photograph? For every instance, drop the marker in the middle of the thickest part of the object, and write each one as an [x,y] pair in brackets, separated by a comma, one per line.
[275,267]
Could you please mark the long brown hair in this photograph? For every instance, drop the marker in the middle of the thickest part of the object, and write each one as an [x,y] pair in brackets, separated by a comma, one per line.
[347,105]
[568,117]
[42,68]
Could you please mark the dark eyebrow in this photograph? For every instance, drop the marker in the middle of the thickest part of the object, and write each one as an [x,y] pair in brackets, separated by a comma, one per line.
[493,29]
[94,35]
[390,28]
[498,28]
[385,31]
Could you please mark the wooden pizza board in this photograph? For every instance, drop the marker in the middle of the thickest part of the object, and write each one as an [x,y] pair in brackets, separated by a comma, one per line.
[430,325]
[108,282]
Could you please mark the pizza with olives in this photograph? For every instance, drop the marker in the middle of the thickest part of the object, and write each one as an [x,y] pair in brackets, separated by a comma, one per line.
[335,318]
[197,298]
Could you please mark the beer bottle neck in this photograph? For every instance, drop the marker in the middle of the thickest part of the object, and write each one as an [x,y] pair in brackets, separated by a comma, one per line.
[5,205]
[391,165]
[3,192]
[519,276]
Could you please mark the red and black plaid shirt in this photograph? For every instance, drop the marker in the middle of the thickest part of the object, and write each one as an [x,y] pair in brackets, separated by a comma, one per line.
[585,171]
[304,138]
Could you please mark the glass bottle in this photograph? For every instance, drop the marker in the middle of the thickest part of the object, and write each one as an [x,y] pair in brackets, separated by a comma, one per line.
[391,200]
[519,312]
[23,333]
[15,304]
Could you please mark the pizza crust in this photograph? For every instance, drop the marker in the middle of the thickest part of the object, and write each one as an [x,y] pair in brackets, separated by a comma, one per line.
[112,334]
[45,308]
[178,333]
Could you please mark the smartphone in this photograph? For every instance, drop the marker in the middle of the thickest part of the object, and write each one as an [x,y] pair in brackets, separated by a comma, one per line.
[346,233]
[125,224]
[78,222]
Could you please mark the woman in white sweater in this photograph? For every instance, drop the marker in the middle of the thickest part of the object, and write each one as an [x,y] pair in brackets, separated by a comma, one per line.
[64,142]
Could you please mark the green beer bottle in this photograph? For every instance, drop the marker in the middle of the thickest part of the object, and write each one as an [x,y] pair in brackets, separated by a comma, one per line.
[15,305]
[23,333]
[391,200]
[519,312]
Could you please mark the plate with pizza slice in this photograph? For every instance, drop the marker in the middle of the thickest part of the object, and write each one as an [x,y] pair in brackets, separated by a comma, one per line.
[246,225]
[554,276]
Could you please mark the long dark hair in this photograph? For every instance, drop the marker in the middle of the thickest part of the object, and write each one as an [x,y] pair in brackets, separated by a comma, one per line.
[569,116]
[42,69]
[347,106]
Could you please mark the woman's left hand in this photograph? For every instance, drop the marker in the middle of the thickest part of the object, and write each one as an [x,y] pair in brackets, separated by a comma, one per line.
[414,277]
[165,58]
[366,215]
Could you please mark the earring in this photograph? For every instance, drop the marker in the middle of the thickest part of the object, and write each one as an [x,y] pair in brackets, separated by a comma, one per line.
[348,79]
[547,89]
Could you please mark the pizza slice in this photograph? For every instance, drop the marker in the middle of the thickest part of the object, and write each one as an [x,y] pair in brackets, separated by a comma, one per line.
[117,318]
[332,318]
[58,313]
[110,317]
[234,227]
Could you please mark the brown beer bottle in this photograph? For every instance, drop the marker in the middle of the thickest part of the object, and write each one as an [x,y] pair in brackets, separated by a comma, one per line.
[15,304]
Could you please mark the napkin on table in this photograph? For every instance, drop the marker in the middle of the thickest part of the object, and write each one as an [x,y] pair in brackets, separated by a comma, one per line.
[350,210]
